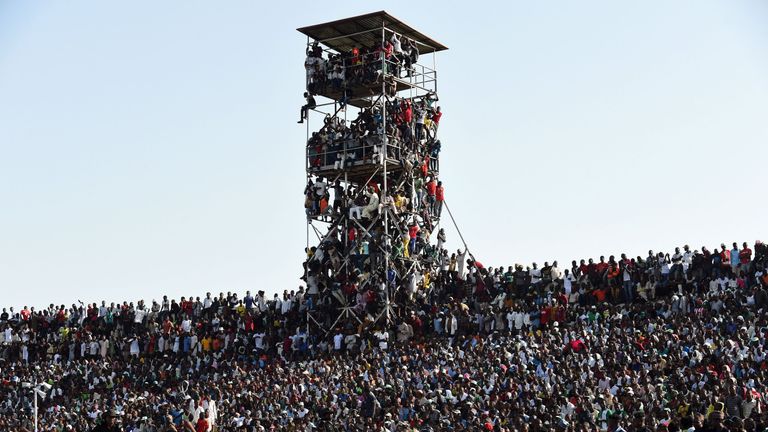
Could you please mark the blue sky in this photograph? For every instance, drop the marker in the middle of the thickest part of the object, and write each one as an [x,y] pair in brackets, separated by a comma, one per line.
[150,148]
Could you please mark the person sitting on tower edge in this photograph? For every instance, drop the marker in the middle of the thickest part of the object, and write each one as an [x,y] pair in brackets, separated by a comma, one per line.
[311,104]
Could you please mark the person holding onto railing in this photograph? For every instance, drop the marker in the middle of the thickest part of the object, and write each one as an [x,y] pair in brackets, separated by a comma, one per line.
[309,65]
[439,198]
[411,56]
[400,201]
[398,55]
[430,99]
[413,232]
[383,52]
[425,166]
[310,201]
[435,117]
[419,115]
[407,114]
[418,195]
[434,149]
[311,104]
[431,188]
[338,197]
[390,86]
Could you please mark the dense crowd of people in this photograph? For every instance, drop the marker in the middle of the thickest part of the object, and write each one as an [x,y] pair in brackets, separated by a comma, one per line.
[379,237]
[381,231]
[381,223]
[393,332]
[410,125]
[667,343]
[353,72]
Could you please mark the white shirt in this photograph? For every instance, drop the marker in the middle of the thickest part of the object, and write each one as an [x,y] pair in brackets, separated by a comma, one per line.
[139,316]
[535,275]
[258,340]
[397,47]
[555,273]
[383,337]
[568,284]
[320,188]
[461,261]
[337,341]
[285,306]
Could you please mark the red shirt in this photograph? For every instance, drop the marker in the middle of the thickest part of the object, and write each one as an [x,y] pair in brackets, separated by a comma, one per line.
[440,193]
[186,306]
[413,230]
[374,185]
[745,255]
[202,425]
[577,345]
[436,117]
[544,316]
[431,188]
[370,296]
[167,326]
[725,257]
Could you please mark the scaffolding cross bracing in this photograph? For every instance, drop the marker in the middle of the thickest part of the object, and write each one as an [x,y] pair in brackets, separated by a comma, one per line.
[382,169]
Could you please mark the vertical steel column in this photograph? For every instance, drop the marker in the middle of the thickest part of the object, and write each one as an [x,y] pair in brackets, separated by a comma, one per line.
[385,195]
[34,392]
[434,68]
[306,164]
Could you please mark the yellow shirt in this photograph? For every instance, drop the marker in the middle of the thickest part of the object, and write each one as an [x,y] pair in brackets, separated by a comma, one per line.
[400,201]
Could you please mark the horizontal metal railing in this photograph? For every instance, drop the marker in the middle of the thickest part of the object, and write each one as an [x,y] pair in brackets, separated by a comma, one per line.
[349,153]
[368,73]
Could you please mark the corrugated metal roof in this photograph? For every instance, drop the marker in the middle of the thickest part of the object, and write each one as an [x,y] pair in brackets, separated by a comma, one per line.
[365,30]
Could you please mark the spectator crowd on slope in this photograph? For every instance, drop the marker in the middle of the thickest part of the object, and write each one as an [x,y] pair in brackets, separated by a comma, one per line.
[664,343]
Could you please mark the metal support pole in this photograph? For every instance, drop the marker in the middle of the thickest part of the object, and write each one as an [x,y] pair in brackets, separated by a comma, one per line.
[385,193]
[309,222]
[434,69]
[34,391]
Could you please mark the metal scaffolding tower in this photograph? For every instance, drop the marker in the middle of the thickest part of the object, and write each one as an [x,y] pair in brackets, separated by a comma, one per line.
[373,197]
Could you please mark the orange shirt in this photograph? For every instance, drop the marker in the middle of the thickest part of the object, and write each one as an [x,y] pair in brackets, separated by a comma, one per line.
[599,294]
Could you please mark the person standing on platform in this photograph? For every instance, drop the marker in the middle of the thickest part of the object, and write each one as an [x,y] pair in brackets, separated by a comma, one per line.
[439,198]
